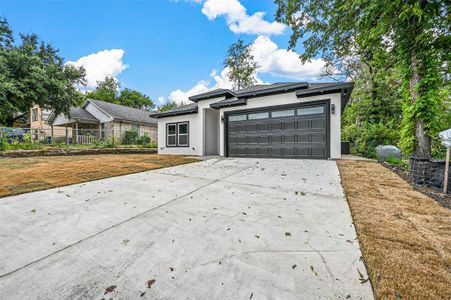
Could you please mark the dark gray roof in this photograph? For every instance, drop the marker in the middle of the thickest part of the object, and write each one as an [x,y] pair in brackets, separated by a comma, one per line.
[229,102]
[81,114]
[211,94]
[124,113]
[255,90]
[179,110]
[239,97]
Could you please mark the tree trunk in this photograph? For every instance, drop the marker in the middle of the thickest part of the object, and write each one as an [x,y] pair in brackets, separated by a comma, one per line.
[423,140]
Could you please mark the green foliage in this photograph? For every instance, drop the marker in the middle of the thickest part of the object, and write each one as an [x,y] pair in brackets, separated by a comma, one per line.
[167,106]
[410,37]
[111,142]
[13,143]
[374,112]
[241,64]
[135,99]
[130,137]
[397,162]
[108,90]
[144,139]
[32,72]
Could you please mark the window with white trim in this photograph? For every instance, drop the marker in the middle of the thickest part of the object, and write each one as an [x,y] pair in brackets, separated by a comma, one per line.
[177,134]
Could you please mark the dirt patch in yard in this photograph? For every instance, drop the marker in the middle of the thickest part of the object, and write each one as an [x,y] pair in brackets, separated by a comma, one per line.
[22,175]
[405,236]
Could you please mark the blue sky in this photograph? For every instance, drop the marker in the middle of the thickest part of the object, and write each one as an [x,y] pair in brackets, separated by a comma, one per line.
[166,49]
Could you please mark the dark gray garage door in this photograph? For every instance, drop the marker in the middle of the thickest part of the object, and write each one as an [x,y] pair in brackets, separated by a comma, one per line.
[283,132]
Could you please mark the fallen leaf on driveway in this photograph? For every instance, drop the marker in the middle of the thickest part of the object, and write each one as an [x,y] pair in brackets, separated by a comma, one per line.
[109,289]
[150,283]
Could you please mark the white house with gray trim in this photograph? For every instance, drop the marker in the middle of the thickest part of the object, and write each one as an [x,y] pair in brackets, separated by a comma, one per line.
[280,120]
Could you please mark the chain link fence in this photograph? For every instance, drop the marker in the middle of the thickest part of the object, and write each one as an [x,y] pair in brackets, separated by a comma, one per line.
[77,136]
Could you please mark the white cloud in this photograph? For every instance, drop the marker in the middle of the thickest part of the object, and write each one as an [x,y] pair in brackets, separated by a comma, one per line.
[237,18]
[283,62]
[221,80]
[161,100]
[100,65]
[180,97]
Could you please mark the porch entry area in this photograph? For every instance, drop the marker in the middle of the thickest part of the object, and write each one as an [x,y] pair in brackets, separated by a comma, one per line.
[211,131]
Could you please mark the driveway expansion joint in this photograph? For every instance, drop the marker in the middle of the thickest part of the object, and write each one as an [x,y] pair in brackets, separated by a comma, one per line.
[121,223]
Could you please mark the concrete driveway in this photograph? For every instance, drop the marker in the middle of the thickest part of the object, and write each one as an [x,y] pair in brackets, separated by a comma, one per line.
[216,229]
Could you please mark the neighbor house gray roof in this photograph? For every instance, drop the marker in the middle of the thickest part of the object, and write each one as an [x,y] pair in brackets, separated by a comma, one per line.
[78,113]
[239,97]
[115,111]
[124,113]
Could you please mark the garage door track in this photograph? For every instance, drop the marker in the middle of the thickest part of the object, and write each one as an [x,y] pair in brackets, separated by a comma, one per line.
[216,229]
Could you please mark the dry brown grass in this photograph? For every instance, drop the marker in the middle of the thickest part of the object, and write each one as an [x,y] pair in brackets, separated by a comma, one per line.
[405,236]
[22,175]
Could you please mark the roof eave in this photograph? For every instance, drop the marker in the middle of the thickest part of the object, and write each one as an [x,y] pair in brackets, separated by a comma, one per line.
[324,90]
[176,113]
[133,121]
[344,89]
[218,105]
[276,90]
[196,98]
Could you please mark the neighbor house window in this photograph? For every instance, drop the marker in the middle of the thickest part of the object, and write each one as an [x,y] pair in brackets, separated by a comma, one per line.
[177,134]
[45,114]
[136,127]
[34,114]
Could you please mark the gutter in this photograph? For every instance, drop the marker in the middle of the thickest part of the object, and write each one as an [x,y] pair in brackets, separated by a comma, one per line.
[175,113]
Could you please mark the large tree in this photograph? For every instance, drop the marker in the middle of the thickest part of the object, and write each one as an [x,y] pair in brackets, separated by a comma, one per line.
[133,98]
[32,72]
[167,106]
[109,90]
[106,90]
[241,64]
[412,36]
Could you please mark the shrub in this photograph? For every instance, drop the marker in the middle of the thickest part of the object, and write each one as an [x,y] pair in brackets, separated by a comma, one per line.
[111,142]
[144,139]
[130,137]
[396,162]
[150,145]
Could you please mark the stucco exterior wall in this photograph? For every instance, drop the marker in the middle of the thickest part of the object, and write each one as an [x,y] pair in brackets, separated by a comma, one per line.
[290,98]
[197,122]
[195,135]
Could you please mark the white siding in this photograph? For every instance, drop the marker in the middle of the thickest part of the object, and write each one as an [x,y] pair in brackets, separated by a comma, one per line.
[96,112]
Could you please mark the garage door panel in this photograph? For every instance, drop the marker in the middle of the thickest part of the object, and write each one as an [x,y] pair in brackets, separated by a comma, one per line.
[293,136]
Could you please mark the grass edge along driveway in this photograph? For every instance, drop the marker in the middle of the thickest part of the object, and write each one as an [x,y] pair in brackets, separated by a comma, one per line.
[23,175]
[405,236]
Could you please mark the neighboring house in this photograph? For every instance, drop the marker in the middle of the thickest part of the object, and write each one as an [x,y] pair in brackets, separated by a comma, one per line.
[99,119]
[283,120]
[39,125]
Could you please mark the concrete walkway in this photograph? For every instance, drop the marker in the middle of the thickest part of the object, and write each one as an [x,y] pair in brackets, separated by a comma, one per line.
[216,229]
